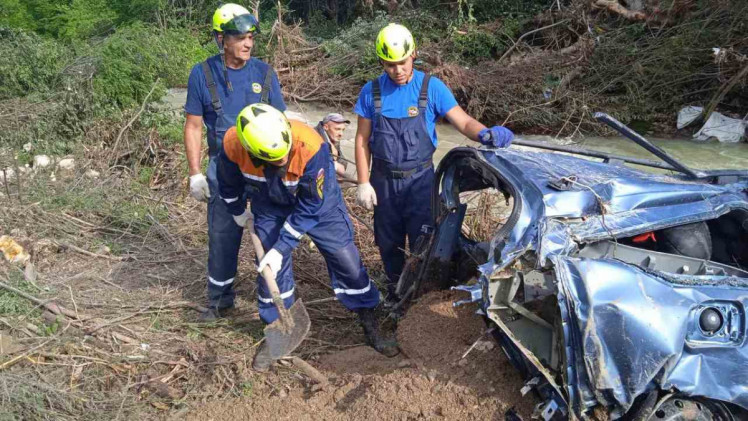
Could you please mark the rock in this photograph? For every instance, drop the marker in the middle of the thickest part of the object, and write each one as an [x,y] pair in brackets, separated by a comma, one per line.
[103,250]
[9,175]
[404,364]
[27,147]
[463,362]
[67,164]
[431,375]
[52,177]
[484,345]
[92,174]
[41,161]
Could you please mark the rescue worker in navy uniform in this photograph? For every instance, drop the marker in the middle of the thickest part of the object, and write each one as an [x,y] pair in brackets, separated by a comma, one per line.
[286,169]
[217,90]
[396,140]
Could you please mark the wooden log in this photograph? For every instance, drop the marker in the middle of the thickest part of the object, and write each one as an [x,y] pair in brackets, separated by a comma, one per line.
[310,371]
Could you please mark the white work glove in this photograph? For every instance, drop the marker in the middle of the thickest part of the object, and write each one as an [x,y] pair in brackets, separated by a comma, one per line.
[242,219]
[365,196]
[273,260]
[199,187]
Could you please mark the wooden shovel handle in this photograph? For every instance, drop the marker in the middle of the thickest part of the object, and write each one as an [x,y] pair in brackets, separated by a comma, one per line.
[268,276]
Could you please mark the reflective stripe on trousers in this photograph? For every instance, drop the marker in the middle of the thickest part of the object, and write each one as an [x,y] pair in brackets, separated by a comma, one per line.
[224,235]
[333,237]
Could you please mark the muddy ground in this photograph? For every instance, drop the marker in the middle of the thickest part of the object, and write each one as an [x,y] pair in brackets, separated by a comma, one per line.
[102,322]
[429,380]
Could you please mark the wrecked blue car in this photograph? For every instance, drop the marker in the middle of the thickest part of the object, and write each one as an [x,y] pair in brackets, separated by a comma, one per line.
[618,292]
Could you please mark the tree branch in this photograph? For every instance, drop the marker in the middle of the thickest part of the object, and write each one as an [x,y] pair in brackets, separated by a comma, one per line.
[615,7]
[526,34]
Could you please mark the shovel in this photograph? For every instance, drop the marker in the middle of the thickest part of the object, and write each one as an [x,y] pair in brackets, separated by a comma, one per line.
[286,333]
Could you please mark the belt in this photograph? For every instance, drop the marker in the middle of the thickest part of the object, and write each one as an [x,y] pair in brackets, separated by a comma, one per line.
[399,174]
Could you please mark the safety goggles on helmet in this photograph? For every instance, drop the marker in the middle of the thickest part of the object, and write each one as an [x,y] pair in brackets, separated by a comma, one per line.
[395,43]
[233,19]
[244,24]
[264,132]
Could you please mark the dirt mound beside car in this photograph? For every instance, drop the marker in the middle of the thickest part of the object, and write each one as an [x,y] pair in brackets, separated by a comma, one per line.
[428,380]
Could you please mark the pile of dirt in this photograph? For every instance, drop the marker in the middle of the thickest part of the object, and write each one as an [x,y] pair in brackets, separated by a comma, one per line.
[437,335]
[428,380]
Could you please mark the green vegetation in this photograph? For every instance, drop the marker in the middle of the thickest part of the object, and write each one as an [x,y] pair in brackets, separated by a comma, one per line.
[72,67]
[14,305]
[134,57]
[77,68]
[29,63]
[118,208]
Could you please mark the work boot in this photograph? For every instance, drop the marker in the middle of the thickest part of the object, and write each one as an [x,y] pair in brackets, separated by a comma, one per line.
[369,322]
[214,314]
[262,360]
[390,301]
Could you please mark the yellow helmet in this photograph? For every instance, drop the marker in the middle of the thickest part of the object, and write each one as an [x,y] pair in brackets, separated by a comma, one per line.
[264,132]
[233,19]
[395,43]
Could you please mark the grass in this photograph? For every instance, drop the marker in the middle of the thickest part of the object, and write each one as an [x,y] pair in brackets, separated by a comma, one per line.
[13,305]
[120,208]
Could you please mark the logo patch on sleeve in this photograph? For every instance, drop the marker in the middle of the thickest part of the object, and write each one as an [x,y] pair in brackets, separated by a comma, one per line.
[412,111]
[256,88]
[320,182]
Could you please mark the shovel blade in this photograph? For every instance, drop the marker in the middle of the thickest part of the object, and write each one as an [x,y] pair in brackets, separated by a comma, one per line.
[281,341]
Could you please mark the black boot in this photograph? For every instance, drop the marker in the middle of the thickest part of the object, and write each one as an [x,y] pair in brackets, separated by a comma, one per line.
[214,314]
[262,360]
[369,322]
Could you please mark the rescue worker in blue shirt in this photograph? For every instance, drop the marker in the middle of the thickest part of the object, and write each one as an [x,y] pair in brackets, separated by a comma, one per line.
[218,89]
[286,169]
[396,140]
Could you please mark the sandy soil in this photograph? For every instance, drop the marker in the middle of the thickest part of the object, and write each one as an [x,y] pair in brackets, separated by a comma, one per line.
[429,380]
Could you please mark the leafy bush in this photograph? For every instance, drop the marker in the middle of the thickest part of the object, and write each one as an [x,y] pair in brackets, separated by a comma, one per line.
[133,58]
[320,27]
[29,63]
[426,26]
[355,47]
[474,45]
[488,10]
[13,14]
[82,19]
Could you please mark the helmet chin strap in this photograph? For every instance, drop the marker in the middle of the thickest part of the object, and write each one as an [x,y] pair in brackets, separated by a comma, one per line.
[223,60]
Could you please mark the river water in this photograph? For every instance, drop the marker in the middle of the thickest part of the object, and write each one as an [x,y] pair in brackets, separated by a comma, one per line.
[698,155]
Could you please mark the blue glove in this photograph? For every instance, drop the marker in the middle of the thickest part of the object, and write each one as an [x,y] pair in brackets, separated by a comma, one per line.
[496,136]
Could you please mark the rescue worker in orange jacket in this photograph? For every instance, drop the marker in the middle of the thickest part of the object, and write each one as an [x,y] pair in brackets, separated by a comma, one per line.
[286,171]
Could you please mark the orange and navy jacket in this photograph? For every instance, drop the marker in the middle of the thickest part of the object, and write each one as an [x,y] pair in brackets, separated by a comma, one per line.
[302,192]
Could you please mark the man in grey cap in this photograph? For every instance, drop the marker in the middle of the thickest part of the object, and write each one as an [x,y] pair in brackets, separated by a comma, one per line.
[331,129]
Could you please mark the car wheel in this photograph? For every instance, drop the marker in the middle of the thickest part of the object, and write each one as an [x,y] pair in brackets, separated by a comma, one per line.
[681,409]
